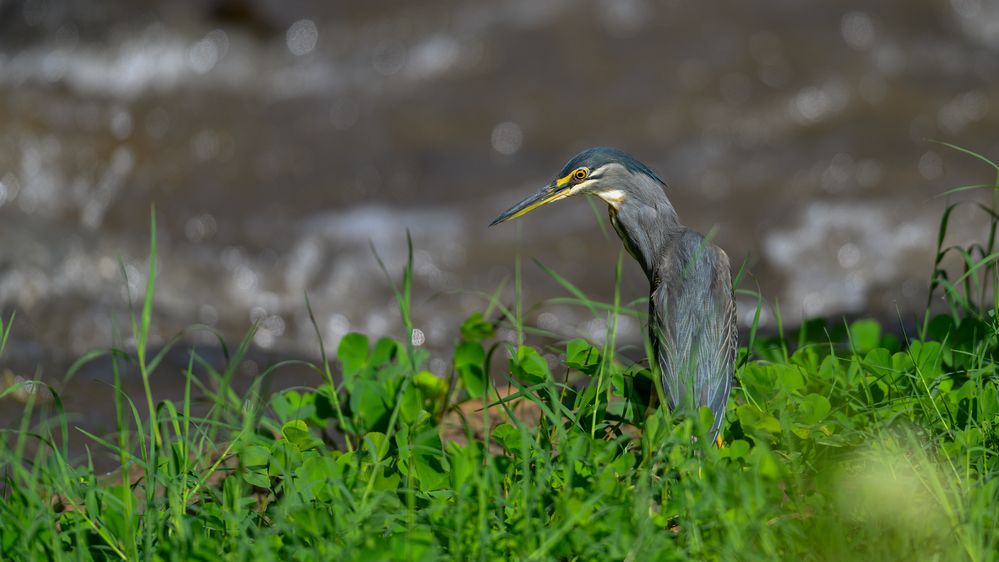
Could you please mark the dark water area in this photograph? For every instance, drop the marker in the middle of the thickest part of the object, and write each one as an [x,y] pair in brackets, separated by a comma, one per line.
[280,141]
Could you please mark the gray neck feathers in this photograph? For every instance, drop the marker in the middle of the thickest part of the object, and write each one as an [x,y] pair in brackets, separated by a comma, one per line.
[646,222]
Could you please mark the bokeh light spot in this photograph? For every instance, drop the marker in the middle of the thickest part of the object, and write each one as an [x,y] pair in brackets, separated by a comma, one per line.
[302,37]
[507,138]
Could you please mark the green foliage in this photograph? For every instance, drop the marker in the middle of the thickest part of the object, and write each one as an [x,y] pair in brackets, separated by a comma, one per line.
[582,356]
[815,466]
[470,362]
[353,356]
[529,366]
[850,444]
[475,328]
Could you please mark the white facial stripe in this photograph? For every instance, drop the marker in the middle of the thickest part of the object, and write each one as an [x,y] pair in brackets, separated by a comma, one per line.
[613,197]
[578,187]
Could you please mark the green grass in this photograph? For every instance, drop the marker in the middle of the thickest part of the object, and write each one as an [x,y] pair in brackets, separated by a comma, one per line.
[843,442]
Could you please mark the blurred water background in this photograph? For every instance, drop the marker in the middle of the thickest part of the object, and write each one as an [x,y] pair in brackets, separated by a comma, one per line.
[281,139]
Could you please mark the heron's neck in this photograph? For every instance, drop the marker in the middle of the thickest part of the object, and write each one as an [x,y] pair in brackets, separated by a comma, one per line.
[648,226]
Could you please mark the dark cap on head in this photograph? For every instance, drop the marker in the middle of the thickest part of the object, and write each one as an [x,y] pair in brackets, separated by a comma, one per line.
[594,158]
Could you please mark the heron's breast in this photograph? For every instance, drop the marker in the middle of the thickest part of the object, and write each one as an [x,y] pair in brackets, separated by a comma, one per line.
[629,244]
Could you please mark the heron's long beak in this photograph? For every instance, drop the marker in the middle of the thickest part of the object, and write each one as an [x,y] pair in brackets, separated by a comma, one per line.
[550,193]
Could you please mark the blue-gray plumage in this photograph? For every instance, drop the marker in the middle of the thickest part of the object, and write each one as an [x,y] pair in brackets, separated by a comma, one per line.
[691,307]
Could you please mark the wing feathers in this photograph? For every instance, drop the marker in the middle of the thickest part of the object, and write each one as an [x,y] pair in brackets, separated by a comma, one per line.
[694,327]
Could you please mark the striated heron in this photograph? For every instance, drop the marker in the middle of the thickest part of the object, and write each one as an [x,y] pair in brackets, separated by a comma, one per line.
[691,306]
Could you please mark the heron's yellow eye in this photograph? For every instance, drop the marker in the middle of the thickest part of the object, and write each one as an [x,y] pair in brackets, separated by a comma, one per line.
[580,174]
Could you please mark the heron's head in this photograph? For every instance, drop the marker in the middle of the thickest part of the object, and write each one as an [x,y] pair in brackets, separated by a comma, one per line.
[608,173]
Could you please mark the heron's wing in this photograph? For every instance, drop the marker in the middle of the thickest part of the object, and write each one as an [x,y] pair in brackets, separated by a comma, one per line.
[693,327]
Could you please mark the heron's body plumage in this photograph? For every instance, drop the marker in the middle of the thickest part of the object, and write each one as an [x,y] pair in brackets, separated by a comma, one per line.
[692,325]
[691,307]
[692,320]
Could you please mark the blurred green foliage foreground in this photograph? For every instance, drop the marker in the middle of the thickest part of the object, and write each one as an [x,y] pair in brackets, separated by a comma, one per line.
[841,443]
